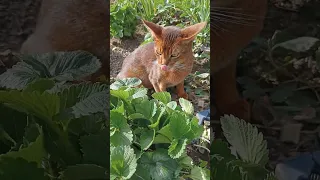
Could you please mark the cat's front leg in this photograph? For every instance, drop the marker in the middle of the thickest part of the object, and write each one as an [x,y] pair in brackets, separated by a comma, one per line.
[180,91]
[162,87]
[158,85]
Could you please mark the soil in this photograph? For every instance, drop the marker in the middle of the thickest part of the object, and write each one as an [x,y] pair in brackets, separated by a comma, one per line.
[300,19]
[17,22]
[122,48]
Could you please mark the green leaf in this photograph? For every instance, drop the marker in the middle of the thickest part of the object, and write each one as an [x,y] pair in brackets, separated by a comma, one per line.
[282,92]
[179,126]
[127,82]
[5,137]
[136,116]
[300,44]
[122,132]
[31,133]
[198,173]
[35,152]
[61,66]
[147,108]
[159,165]
[147,138]
[177,147]
[95,148]
[157,117]
[195,130]
[40,85]
[186,106]
[220,147]
[246,140]
[42,105]
[270,176]
[163,97]
[172,105]
[125,95]
[123,162]
[72,94]
[18,168]
[185,160]
[140,174]
[94,103]
[224,169]
[87,124]
[235,169]
[166,132]
[161,139]
[140,93]
[84,172]
[12,124]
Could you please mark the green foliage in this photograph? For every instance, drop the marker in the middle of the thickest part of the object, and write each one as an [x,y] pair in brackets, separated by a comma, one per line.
[50,128]
[148,137]
[124,15]
[60,67]
[247,156]
[197,11]
[123,19]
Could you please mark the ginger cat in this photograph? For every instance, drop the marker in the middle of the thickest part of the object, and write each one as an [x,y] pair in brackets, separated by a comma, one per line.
[166,61]
[234,23]
[68,25]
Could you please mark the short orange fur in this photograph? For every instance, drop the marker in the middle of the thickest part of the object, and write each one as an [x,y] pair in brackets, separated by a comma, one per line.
[171,50]
[225,48]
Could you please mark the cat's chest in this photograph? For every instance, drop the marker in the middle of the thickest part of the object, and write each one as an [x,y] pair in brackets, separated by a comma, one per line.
[173,76]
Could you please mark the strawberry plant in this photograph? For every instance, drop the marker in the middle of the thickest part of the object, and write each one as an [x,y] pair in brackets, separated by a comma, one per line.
[123,19]
[245,159]
[51,128]
[148,137]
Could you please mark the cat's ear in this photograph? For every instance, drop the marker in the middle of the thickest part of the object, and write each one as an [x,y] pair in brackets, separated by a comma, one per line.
[189,33]
[154,29]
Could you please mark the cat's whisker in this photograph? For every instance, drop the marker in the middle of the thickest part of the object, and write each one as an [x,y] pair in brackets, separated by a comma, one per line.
[236,11]
[227,15]
[226,20]
[232,11]
[222,14]
[235,14]
[220,27]
[215,27]
[226,8]
[232,19]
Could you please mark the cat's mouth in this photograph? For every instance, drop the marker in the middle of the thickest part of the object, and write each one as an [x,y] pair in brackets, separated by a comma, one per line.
[164,67]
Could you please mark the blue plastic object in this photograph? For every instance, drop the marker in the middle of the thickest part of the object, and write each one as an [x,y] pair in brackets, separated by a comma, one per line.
[299,168]
[203,116]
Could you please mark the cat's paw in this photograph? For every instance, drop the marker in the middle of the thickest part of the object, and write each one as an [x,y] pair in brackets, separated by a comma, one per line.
[240,109]
[183,95]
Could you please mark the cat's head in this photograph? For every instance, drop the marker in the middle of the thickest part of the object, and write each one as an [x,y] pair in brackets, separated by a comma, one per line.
[171,42]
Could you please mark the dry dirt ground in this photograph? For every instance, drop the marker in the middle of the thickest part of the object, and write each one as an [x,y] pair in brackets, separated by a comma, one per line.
[122,48]
[17,21]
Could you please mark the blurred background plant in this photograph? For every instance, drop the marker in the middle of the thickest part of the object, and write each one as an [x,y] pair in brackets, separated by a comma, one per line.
[126,15]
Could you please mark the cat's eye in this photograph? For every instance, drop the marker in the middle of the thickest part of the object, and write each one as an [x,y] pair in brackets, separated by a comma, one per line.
[158,53]
[174,55]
